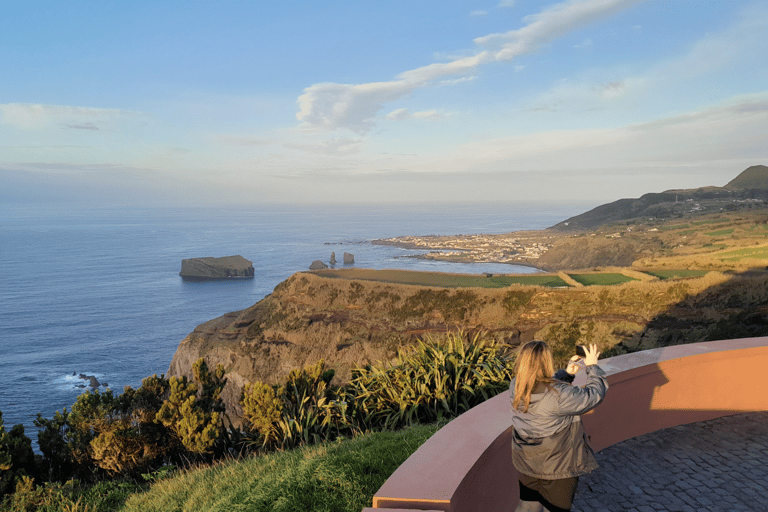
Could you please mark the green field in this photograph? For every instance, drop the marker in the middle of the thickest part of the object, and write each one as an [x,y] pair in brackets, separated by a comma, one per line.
[717,220]
[445,280]
[749,253]
[603,279]
[672,274]
[721,232]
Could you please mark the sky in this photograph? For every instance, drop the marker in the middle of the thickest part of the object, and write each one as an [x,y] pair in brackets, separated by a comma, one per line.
[243,102]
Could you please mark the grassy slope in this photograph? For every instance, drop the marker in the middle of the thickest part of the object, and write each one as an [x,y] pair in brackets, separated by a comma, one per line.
[335,476]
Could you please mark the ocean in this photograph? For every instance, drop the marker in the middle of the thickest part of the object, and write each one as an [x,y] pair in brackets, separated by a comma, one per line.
[96,291]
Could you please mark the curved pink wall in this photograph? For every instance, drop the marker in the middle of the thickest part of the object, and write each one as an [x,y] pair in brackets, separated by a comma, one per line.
[466,465]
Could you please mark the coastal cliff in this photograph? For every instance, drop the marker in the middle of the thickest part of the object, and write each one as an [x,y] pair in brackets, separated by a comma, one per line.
[349,322]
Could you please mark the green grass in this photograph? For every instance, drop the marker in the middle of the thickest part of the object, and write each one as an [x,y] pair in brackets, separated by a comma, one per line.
[720,232]
[73,496]
[445,280]
[339,476]
[749,253]
[677,226]
[603,279]
[672,274]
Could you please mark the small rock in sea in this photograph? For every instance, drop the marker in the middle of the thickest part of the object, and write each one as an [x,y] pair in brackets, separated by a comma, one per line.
[317,265]
[105,384]
[94,382]
[80,386]
[349,259]
[333,258]
[228,267]
[74,373]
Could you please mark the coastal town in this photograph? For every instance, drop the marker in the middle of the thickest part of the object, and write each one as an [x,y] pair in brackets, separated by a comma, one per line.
[523,247]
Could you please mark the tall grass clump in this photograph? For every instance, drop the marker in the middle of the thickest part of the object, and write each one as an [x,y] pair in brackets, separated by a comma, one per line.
[435,379]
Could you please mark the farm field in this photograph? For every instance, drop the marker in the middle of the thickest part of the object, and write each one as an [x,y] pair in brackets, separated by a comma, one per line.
[675,274]
[444,280]
[756,253]
[601,279]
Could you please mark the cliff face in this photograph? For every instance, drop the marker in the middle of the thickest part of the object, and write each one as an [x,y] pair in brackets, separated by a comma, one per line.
[353,322]
[344,322]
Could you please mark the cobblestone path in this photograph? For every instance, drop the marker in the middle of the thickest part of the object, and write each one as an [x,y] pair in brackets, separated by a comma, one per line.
[717,465]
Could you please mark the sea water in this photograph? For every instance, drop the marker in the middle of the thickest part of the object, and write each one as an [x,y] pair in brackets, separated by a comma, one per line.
[97,291]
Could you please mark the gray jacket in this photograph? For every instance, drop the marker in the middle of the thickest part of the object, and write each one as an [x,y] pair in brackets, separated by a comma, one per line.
[549,441]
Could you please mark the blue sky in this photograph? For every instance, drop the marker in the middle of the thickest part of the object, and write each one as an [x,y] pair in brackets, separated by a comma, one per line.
[258,102]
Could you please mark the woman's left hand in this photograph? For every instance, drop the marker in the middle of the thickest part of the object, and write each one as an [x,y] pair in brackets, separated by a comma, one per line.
[573,367]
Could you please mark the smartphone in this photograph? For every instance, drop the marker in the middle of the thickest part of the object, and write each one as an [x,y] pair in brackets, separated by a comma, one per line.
[580,351]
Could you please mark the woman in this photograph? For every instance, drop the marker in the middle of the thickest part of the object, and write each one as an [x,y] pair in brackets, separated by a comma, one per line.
[549,447]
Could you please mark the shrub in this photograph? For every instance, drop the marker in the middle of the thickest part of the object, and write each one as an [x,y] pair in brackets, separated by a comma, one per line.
[137,431]
[57,463]
[117,434]
[17,460]
[306,410]
[435,379]
[193,410]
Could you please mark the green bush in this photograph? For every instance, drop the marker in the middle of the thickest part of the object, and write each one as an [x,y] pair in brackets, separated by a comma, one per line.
[435,379]
[193,410]
[306,410]
[17,460]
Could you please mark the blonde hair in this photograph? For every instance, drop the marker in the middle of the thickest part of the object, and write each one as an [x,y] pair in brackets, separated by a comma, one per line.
[534,365]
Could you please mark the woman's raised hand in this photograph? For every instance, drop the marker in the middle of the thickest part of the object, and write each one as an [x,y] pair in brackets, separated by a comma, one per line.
[591,354]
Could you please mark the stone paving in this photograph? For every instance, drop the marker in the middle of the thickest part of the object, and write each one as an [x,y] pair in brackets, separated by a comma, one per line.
[716,465]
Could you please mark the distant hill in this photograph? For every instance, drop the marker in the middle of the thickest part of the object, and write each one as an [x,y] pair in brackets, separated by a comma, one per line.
[751,184]
[755,177]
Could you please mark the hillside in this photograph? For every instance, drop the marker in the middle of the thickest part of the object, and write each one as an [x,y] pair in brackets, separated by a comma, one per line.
[750,184]
[755,177]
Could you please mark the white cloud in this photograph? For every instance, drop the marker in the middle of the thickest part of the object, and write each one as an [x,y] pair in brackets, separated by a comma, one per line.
[590,90]
[35,116]
[479,13]
[332,106]
[402,114]
[728,131]
[459,80]
[507,3]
